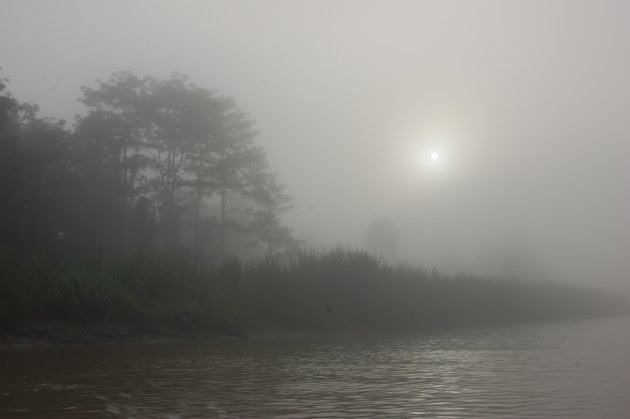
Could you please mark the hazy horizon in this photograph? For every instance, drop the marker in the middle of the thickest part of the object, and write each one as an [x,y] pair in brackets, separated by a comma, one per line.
[526,104]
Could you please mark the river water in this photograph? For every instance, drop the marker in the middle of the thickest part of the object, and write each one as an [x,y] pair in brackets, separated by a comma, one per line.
[576,369]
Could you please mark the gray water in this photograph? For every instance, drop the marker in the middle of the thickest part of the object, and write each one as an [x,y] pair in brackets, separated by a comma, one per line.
[569,370]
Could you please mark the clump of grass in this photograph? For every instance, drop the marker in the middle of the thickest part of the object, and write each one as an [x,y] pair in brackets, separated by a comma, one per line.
[39,287]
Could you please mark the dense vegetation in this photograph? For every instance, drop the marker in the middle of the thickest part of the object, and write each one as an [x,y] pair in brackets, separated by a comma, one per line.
[129,215]
[152,165]
[319,291]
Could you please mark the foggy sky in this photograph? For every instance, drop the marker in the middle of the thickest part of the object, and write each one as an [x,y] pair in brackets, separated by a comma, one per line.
[528,104]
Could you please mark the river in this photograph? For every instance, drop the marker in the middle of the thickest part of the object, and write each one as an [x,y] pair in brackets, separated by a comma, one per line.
[573,369]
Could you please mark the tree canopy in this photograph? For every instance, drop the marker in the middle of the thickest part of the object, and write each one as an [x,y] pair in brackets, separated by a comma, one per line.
[152,164]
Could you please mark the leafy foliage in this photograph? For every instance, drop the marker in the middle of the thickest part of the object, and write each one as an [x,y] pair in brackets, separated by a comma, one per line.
[141,170]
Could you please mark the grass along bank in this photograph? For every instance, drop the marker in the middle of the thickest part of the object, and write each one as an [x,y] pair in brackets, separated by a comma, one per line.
[320,291]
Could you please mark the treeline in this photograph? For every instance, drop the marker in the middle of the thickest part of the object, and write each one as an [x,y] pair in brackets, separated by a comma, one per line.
[129,216]
[323,291]
[152,165]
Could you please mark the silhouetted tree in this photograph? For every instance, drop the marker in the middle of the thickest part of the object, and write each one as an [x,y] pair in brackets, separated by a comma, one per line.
[149,153]
[270,202]
[114,137]
[36,177]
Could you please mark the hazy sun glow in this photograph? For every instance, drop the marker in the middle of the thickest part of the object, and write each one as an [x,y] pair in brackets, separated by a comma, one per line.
[428,157]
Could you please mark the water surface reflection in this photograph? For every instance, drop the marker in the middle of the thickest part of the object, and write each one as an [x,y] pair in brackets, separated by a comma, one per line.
[572,369]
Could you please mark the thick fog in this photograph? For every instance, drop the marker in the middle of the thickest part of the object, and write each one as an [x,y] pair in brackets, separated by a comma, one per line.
[525,104]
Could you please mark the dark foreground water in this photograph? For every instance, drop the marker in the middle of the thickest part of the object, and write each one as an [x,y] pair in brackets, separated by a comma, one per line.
[570,370]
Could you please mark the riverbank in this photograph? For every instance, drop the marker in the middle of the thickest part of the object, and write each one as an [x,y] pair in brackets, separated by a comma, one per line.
[47,333]
[58,333]
[34,334]
[171,296]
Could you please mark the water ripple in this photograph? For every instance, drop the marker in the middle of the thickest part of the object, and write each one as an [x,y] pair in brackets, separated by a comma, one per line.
[567,370]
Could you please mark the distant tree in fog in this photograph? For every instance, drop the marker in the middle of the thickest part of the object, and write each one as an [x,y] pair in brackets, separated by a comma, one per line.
[271,202]
[382,237]
[515,258]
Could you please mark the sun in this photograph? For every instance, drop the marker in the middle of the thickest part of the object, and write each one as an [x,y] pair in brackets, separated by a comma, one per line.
[428,155]
[432,157]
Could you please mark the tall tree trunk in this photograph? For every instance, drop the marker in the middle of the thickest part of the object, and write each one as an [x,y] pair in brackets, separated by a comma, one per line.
[222,228]
[196,209]
[125,207]
[197,205]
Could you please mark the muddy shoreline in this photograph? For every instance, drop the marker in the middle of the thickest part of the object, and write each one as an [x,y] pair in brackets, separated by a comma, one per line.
[31,334]
[43,333]
[47,333]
